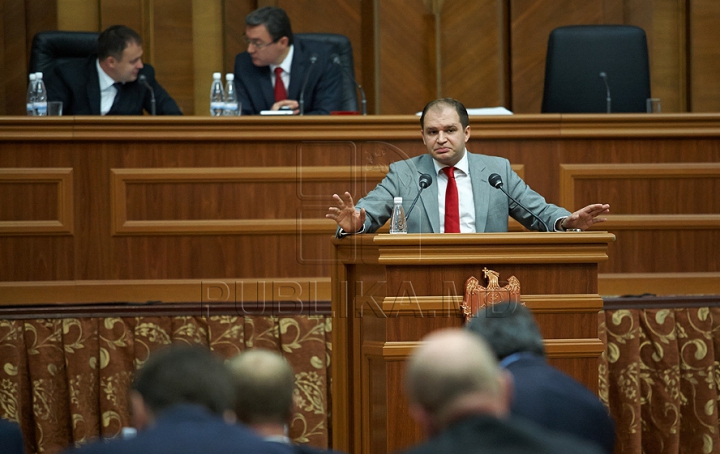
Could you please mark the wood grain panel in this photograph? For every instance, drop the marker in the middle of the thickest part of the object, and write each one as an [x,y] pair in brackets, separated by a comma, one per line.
[78,15]
[302,290]
[43,194]
[233,20]
[208,50]
[131,13]
[659,283]
[474,53]
[15,57]
[407,67]
[531,22]
[704,61]
[172,44]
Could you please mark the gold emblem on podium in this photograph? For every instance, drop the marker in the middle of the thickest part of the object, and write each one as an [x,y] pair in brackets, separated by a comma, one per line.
[478,296]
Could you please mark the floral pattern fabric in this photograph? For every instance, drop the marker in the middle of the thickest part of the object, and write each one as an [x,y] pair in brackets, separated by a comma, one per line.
[66,380]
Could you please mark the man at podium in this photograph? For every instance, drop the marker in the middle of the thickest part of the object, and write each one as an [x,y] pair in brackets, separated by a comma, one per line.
[472,192]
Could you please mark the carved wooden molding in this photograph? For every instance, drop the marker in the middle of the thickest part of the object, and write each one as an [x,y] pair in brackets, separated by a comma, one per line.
[63,178]
[570,173]
[306,290]
[121,178]
[554,348]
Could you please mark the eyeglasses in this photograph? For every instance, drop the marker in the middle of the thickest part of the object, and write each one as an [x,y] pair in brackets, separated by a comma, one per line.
[259,45]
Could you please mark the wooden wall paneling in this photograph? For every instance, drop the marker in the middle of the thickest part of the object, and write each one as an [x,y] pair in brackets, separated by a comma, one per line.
[131,13]
[704,56]
[208,50]
[407,66]
[78,15]
[664,22]
[531,22]
[474,60]
[15,44]
[172,50]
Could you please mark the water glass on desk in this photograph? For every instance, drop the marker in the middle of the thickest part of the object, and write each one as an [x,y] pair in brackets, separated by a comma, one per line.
[54,108]
[653,105]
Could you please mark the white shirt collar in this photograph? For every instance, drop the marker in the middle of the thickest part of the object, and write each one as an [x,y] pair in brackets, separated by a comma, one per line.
[105,80]
[463,165]
[286,64]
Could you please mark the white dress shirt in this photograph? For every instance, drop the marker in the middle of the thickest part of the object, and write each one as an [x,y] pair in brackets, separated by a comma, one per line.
[107,89]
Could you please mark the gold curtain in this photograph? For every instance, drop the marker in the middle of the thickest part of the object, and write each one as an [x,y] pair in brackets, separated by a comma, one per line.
[66,380]
[659,376]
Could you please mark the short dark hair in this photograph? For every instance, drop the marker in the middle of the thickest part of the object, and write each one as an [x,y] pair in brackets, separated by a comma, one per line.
[189,374]
[274,19]
[450,102]
[113,41]
[264,383]
[509,328]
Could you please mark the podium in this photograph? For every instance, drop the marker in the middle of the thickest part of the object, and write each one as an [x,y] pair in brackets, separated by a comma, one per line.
[389,291]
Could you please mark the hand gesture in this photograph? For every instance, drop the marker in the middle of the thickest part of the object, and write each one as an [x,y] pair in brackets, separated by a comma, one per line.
[347,217]
[584,218]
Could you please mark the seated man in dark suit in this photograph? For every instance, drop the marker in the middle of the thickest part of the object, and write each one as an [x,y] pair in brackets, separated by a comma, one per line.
[110,83]
[182,401]
[461,398]
[11,439]
[271,74]
[543,394]
[265,384]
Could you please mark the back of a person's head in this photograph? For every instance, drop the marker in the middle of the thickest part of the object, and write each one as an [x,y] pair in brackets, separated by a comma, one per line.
[275,20]
[508,328]
[448,365]
[185,374]
[264,383]
[113,41]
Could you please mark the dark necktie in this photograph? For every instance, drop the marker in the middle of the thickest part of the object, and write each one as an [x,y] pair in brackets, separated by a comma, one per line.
[452,205]
[116,101]
[280,92]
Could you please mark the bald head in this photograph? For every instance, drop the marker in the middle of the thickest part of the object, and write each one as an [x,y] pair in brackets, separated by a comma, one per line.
[264,382]
[455,371]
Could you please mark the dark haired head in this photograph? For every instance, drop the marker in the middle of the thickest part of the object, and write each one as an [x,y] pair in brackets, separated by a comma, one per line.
[508,328]
[275,20]
[449,102]
[185,374]
[113,41]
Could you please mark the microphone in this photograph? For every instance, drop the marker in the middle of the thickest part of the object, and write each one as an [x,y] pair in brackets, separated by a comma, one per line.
[143,80]
[496,182]
[313,59]
[336,60]
[425,181]
[608,99]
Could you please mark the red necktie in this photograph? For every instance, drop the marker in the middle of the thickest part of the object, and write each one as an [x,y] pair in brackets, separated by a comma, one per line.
[452,206]
[280,92]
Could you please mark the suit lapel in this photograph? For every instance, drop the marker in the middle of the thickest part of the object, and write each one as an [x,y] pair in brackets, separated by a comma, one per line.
[297,71]
[429,196]
[481,190]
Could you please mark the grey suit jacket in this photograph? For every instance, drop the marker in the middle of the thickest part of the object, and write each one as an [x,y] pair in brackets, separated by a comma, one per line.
[492,207]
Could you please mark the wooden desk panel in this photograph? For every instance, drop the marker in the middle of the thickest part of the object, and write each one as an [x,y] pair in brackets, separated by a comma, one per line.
[201,198]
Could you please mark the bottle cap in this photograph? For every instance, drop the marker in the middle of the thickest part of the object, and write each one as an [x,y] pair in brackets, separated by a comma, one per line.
[397,200]
[217,75]
[38,75]
[230,76]
[33,76]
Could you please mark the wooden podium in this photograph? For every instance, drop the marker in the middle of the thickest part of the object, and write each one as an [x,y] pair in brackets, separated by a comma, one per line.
[388,291]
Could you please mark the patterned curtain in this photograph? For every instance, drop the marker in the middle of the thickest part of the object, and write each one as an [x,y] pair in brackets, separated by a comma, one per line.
[660,376]
[66,380]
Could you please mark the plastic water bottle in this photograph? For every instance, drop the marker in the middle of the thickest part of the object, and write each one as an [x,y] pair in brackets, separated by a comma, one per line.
[40,101]
[232,108]
[30,99]
[398,223]
[217,96]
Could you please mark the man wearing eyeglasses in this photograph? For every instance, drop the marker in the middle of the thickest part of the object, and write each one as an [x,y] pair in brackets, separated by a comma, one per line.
[271,74]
